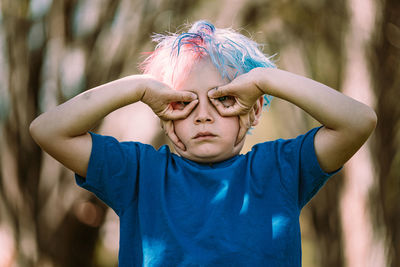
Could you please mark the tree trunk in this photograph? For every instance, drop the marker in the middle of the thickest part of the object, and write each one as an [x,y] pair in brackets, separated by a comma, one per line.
[385,74]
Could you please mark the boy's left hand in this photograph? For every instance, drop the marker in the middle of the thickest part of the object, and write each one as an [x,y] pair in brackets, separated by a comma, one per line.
[245,91]
[245,122]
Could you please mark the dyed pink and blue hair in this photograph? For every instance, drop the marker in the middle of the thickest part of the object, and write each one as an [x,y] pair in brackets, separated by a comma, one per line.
[231,52]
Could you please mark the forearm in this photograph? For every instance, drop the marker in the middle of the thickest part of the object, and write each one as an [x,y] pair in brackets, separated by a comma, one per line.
[63,131]
[347,122]
[78,115]
[331,108]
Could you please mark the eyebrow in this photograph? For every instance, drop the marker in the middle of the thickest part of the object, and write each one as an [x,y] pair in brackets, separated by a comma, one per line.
[208,89]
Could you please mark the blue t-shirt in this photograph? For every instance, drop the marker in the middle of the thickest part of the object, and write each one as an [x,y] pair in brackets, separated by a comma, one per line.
[243,211]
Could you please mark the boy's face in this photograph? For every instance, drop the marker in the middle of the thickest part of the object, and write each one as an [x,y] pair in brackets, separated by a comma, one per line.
[207,135]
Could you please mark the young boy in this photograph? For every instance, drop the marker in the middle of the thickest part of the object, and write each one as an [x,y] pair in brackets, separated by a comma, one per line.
[209,205]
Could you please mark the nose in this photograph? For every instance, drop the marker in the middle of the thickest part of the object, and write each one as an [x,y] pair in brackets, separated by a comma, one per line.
[204,112]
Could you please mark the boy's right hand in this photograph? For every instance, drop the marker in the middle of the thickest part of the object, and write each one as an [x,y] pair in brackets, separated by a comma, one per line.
[168,127]
[160,98]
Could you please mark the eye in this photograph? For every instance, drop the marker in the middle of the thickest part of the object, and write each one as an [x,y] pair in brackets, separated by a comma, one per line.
[227,101]
[179,105]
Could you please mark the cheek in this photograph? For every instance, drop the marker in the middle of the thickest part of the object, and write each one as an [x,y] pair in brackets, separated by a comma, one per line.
[231,127]
[179,126]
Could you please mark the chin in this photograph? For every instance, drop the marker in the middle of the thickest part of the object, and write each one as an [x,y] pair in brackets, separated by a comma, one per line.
[210,154]
[202,157]
[211,158]
[206,157]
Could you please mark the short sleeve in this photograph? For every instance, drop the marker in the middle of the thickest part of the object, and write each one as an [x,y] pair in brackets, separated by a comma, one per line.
[112,171]
[312,177]
[304,176]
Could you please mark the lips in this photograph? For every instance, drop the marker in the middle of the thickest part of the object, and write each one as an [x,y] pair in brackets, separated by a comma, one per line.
[204,135]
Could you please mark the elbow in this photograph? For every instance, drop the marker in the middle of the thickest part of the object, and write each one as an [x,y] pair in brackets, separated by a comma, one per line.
[36,130]
[33,129]
[372,120]
[368,123]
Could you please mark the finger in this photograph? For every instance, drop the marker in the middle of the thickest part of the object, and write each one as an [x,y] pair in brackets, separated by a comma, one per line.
[189,108]
[233,110]
[244,125]
[241,134]
[218,105]
[252,116]
[219,92]
[184,96]
[169,130]
[177,114]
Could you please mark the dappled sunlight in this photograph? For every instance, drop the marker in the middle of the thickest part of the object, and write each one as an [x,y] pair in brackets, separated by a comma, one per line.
[220,196]
[245,204]
[279,223]
[154,250]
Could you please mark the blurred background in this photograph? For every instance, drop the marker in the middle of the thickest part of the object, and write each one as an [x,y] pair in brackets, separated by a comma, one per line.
[51,50]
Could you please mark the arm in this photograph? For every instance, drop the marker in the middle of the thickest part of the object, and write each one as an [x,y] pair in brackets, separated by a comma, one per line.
[63,131]
[347,122]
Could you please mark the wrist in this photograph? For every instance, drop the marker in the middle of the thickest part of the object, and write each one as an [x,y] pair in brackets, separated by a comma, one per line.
[149,86]
[264,80]
[135,87]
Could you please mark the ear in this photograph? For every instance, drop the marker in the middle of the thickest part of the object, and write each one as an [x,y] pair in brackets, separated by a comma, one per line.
[258,110]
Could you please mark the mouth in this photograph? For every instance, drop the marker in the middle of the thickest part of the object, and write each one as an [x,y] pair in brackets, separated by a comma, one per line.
[204,135]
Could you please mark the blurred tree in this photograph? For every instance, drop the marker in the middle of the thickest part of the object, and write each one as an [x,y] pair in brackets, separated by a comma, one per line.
[46,231]
[385,77]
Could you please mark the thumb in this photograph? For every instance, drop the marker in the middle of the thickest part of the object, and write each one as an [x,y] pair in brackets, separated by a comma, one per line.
[219,91]
[183,96]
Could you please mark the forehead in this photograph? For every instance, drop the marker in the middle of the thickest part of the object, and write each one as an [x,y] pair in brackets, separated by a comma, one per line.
[203,76]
